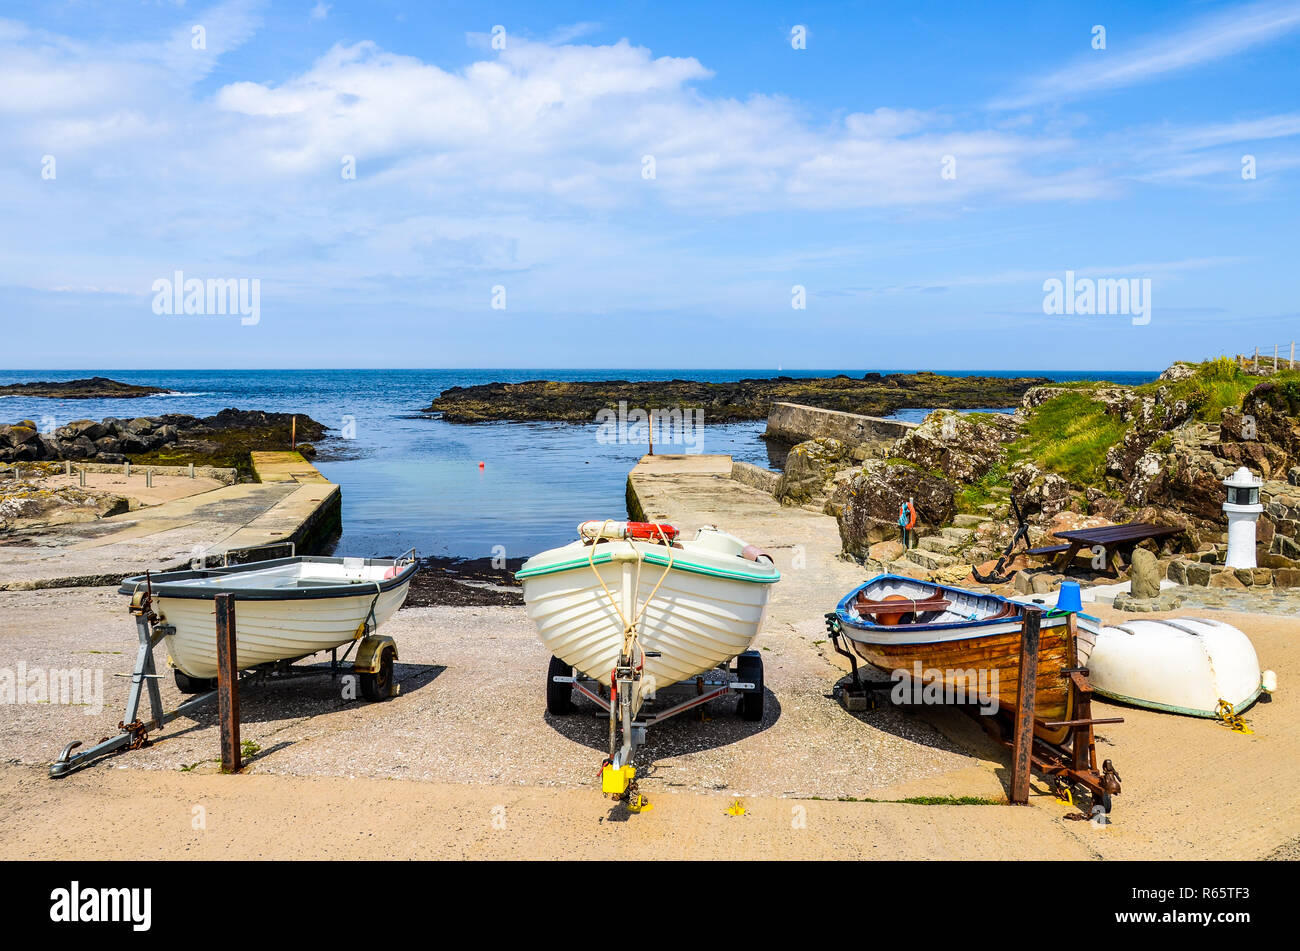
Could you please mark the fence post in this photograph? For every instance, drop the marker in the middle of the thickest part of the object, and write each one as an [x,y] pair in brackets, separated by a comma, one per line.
[228,684]
[1026,695]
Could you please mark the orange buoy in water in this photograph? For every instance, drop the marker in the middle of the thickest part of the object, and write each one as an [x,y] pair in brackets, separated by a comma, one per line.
[480,465]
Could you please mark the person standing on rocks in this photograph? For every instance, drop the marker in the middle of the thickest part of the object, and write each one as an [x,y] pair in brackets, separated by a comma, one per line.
[907,522]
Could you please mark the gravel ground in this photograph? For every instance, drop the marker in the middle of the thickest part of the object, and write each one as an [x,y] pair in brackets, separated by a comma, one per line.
[471,709]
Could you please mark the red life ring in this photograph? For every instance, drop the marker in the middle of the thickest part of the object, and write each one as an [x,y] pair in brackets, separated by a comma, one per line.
[651,531]
[911,513]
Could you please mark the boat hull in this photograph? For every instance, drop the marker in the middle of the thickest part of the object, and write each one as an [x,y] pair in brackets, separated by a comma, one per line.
[692,624]
[1176,665]
[984,653]
[269,631]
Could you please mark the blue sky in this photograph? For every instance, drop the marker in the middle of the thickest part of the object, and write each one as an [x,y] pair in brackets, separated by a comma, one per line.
[127,154]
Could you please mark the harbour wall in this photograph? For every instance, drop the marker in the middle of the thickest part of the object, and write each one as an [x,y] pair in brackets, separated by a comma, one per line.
[794,423]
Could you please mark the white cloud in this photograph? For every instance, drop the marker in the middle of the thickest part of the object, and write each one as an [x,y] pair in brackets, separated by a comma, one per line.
[1209,38]
[320,11]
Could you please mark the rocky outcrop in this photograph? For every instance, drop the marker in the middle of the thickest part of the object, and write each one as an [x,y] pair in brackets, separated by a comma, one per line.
[956,445]
[214,439]
[95,387]
[1039,492]
[868,503]
[810,467]
[874,394]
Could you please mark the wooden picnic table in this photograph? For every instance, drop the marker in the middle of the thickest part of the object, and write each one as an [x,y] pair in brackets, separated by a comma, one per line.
[1111,538]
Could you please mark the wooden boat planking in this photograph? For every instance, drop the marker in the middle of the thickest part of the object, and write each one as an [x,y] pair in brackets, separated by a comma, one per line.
[1000,652]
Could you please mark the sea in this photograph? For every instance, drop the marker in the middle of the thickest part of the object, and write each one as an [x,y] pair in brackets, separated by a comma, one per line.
[451,490]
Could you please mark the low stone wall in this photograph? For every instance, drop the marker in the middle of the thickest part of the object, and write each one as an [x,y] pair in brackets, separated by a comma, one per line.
[793,423]
[755,476]
[54,467]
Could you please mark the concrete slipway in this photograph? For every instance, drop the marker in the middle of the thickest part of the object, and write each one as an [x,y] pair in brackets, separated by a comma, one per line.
[465,762]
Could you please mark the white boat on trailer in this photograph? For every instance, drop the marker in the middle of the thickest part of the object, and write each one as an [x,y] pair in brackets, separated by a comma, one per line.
[286,609]
[628,611]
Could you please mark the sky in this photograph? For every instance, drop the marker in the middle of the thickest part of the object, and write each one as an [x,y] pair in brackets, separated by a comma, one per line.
[667,184]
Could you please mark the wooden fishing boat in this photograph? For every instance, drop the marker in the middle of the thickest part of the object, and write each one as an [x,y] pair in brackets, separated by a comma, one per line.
[959,638]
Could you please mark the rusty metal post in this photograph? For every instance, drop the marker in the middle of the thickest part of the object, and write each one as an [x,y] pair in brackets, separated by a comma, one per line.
[652,432]
[1026,694]
[293,434]
[228,684]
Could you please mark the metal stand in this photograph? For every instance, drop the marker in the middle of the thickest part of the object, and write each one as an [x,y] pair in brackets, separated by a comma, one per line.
[134,734]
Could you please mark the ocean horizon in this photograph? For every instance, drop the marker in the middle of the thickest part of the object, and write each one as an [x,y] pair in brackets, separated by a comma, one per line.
[410,479]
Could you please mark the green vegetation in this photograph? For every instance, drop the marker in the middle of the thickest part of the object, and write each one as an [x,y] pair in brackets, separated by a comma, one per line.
[921,800]
[1070,435]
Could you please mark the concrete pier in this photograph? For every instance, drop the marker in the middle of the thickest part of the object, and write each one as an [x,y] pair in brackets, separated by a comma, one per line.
[292,503]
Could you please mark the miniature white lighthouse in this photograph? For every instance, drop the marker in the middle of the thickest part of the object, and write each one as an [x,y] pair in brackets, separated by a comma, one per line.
[1243,510]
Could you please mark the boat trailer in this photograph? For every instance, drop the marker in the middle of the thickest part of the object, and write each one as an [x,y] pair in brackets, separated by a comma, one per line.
[627,730]
[1071,762]
[152,628]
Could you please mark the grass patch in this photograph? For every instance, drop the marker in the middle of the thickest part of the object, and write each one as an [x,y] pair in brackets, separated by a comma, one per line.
[921,800]
[1070,435]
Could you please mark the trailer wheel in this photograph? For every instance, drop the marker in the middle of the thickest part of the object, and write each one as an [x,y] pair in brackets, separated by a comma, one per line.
[187,684]
[379,685]
[559,697]
[1104,801]
[749,668]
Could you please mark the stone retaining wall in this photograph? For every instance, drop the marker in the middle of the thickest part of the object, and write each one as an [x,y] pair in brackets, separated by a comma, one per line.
[755,476]
[794,423]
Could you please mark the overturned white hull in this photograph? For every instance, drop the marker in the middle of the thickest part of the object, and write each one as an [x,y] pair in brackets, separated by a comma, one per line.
[1177,665]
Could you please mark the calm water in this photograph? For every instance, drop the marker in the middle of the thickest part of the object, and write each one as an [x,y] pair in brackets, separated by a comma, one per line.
[414,481]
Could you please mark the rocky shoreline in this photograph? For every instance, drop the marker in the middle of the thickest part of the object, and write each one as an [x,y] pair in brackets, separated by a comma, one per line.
[223,440]
[1075,456]
[874,394]
[92,388]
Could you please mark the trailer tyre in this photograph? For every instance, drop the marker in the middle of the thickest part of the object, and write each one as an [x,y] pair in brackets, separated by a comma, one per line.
[379,685]
[187,684]
[559,697]
[749,668]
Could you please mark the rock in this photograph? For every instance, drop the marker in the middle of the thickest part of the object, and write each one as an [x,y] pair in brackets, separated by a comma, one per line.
[1037,491]
[20,435]
[1044,583]
[1177,571]
[810,469]
[80,427]
[1070,521]
[1178,371]
[869,501]
[1286,577]
[1199,573]
[1164,602]
[1225,578]
[886,551]
[1023,582]
[97,387]
[1144,574]
[306,450]
[961,448]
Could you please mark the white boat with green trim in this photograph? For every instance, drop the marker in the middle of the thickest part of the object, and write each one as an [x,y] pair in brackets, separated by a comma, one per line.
[633,610]
[696,604]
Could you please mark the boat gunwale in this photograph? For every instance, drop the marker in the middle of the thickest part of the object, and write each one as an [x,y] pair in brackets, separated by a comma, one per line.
[850,624]
[171,584]
[607,557]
